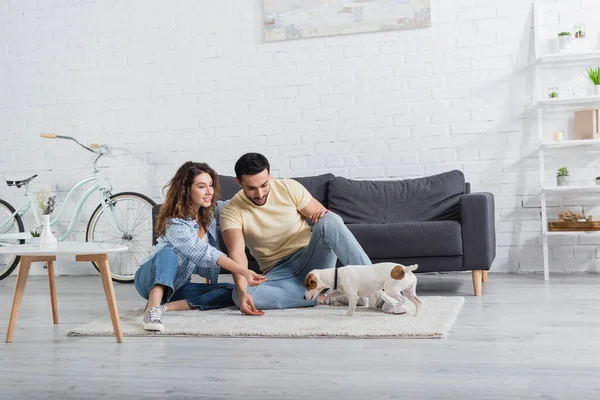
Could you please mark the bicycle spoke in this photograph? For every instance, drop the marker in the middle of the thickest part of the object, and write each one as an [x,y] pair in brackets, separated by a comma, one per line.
[145,217]
[138,243]
[138,224]
[110,234]
[138,218]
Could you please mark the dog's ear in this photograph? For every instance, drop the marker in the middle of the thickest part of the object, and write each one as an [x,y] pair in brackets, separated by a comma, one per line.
[398,272]
[310,282]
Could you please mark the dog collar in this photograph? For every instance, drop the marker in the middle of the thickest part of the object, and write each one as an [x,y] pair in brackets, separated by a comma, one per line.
[335,278]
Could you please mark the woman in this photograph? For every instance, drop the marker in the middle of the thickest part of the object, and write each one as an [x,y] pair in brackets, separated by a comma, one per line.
[186,227]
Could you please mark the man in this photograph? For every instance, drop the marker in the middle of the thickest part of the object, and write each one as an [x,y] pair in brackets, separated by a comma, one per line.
[269,216]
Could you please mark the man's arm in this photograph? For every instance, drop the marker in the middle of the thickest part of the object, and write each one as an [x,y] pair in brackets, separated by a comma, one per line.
[236,247]
[313,211]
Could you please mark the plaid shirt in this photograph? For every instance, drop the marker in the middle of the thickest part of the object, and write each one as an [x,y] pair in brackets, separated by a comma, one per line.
[194,256]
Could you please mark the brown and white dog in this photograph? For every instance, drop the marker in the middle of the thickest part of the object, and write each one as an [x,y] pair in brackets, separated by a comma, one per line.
[354,281]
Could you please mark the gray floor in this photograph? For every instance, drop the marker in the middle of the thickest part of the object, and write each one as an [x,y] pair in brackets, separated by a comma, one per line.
[523,339]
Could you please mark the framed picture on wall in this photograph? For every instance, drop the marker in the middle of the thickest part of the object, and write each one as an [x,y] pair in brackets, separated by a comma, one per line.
[297,19]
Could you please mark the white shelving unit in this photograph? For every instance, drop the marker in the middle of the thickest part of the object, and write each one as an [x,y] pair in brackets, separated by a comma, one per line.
[542,103]
[572,101]
[577,56]
[551,144]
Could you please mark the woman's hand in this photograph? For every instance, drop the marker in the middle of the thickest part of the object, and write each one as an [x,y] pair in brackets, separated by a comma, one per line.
[253,278]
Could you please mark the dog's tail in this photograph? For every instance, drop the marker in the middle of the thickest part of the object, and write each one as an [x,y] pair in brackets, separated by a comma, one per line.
[412,267]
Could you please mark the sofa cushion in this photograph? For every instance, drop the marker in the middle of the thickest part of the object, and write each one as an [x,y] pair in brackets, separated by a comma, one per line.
[432,198]
[316,185]
[229,186]
[409,239]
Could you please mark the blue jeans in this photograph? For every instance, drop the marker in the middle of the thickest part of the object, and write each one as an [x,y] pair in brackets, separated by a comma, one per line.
[284,287]
[161,270]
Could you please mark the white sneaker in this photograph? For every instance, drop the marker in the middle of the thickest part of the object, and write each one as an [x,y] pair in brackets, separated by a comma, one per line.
[153,320]
[386,304]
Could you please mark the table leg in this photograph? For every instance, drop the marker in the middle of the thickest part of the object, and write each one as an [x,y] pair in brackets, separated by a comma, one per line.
[52,283]
[19,290]
[110,296]
[102,261]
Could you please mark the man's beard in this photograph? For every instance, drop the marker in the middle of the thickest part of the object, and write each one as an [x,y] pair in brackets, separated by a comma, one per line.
[261,204]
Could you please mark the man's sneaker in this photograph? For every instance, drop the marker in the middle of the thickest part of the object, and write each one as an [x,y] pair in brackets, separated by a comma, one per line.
[153,320]
[386,304]
[342,301]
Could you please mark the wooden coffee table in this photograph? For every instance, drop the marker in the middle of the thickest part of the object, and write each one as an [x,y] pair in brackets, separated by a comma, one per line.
[83,251]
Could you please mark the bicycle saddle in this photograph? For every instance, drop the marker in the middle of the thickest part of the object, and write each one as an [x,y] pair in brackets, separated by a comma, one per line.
[20,183]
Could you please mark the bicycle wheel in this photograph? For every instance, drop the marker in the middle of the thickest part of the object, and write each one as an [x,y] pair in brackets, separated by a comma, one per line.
[134,214]
[9,224]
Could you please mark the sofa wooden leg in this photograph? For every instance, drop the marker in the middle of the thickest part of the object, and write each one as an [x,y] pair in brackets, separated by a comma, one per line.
[477,276]
[484,276]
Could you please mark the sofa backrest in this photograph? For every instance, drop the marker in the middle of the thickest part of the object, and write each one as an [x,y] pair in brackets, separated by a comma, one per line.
[316,185]
[431,198]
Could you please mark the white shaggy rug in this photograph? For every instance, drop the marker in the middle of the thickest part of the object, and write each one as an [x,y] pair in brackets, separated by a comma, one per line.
[436,317]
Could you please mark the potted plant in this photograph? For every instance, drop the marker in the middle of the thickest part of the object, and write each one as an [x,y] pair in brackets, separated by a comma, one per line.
[598,180]
[562,177]
[594,77]
[564,41]
[35,237]
[553,91]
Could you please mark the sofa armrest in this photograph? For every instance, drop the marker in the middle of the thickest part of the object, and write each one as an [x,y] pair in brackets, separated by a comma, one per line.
[477,219]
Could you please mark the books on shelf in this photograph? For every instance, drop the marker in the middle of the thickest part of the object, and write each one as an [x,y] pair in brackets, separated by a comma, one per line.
[586,124]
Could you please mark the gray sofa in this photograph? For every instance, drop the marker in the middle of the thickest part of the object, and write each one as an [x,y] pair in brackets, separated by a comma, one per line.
[432,221]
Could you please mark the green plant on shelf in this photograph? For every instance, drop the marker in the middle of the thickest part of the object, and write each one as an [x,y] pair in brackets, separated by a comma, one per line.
[553,95]
[564,34]
[594,75]
[562,171]
[36,233]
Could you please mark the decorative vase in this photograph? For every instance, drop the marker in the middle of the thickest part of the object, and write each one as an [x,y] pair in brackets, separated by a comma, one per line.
[597,90]
[47,237]
[564,43]
[563,180]
[36,241]
[580,32]
[597,181]
[553,92]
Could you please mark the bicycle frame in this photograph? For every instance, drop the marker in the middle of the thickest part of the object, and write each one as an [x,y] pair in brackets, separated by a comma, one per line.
[101,184]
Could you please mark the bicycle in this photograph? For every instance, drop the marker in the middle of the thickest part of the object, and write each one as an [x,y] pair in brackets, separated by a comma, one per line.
[123,218]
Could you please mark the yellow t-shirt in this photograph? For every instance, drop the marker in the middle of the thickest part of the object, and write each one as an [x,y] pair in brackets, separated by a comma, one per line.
[275,229]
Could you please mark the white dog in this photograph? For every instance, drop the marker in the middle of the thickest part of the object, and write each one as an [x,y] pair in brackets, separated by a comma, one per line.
[354,281]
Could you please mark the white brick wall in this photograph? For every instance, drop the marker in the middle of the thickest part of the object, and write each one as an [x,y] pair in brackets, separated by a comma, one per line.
[164,82]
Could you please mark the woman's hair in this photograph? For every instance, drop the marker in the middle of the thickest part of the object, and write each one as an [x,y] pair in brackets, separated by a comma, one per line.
[251,164]
[178,201]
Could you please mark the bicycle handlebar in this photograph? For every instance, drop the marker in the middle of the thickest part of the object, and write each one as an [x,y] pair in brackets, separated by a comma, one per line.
[94,148]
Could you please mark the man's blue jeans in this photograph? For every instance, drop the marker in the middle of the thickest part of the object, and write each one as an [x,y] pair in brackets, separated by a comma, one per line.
[284,287]
[161,270]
